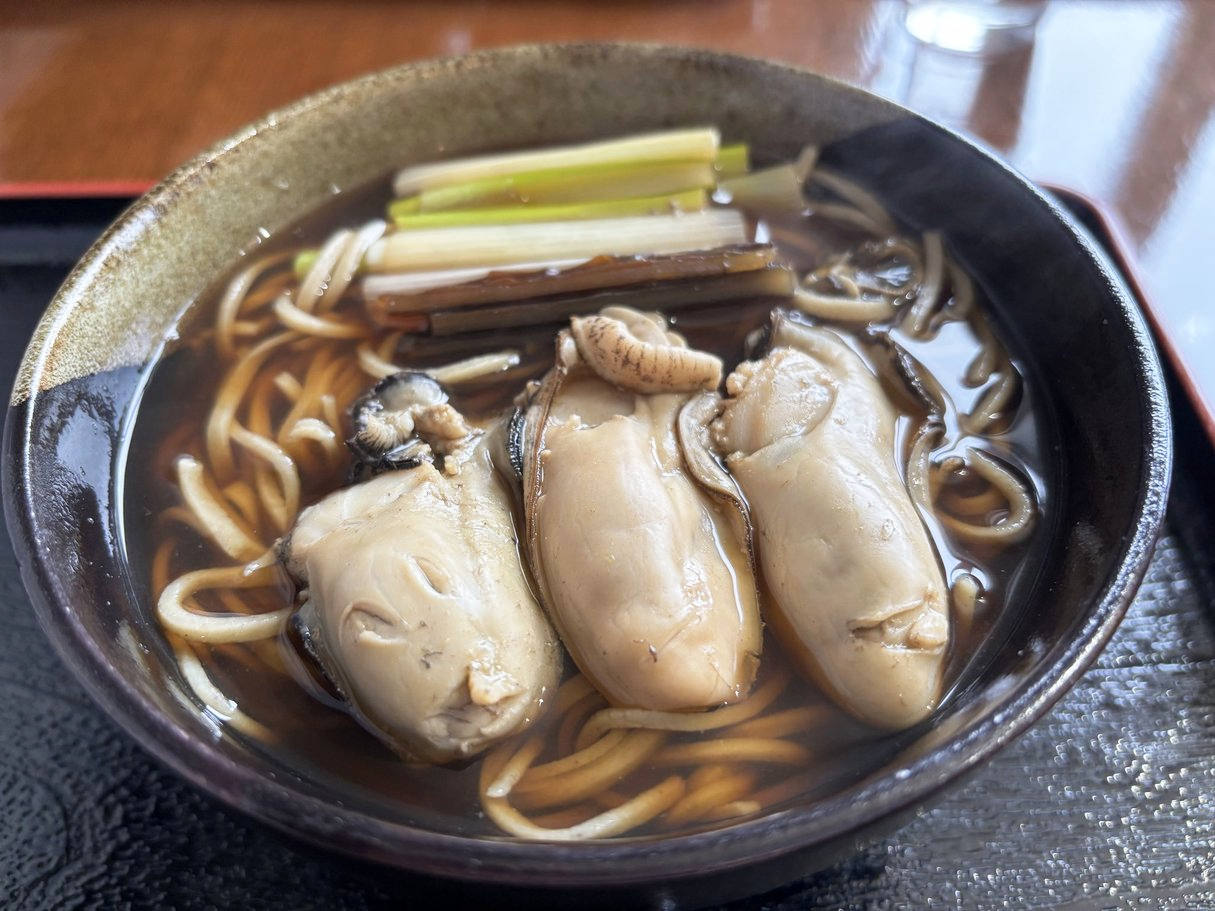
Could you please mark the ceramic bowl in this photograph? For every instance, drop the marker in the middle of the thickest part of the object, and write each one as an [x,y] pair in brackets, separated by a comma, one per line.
[1054,297]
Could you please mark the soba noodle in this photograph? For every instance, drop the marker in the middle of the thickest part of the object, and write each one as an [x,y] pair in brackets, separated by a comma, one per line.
[297,353]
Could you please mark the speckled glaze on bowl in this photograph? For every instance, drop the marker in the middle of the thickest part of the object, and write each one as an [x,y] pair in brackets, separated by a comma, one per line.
[1054,296]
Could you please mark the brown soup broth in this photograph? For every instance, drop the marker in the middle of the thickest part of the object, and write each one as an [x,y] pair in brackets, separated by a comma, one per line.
[275,684]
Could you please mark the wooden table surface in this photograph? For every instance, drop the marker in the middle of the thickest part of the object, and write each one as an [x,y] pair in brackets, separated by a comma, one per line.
[1113,99]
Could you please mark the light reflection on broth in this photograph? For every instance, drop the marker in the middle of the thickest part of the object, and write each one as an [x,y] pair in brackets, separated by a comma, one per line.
[286,708]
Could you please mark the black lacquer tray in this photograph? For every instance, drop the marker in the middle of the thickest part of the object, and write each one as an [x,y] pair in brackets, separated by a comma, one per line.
[1108,802]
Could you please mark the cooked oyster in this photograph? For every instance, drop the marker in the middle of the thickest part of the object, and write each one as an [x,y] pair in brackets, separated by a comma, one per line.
[416,604]
[403,421]
[643,568]
[858,594]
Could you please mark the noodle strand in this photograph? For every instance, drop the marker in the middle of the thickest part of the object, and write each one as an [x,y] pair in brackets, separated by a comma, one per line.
[221,526]
[176,617]
[683,721]
[636,812]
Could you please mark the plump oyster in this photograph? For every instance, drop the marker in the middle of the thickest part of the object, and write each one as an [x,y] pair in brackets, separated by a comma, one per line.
[857,591]
[645,570]
[416,604]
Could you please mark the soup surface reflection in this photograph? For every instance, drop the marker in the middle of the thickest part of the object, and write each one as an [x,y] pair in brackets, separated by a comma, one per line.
[288,387]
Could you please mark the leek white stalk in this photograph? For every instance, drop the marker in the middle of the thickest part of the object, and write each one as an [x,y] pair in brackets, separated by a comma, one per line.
[412,282]
[770,190]
[495,245]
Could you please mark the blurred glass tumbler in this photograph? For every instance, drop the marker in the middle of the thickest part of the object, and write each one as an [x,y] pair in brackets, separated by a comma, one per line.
[973,26]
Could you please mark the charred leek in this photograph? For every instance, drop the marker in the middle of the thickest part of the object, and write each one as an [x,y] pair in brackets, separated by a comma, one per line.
[665,296]
[389,296]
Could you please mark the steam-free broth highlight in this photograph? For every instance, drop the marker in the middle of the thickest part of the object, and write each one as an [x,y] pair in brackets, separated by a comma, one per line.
[475,280]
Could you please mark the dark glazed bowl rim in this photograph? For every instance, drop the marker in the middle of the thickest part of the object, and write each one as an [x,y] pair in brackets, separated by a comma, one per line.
[613,863]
